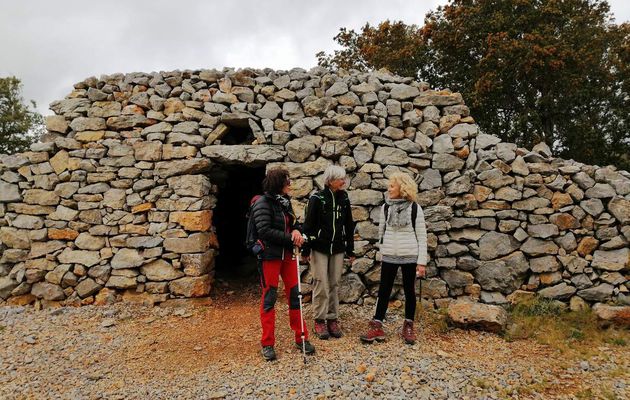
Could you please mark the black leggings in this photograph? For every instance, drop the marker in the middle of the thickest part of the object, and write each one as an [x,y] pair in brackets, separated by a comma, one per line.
[388,275]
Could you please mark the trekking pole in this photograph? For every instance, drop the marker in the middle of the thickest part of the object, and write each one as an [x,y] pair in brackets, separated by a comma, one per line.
[297,263]
[419,308]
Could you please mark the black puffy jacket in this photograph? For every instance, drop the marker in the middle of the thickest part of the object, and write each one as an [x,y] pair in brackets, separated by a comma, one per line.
[328,223]
[274,225]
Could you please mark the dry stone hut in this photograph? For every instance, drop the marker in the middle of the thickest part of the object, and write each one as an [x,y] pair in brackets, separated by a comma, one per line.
[140,188]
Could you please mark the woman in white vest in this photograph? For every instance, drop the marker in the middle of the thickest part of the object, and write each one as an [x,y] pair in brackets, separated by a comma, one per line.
[403,243]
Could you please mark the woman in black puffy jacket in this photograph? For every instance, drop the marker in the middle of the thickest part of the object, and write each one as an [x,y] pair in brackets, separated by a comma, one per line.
[276,227]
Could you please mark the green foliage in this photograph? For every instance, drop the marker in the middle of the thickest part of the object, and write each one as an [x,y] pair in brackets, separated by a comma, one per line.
[392,45]
[531,70]
[617,341]
[19,124]
[538,307]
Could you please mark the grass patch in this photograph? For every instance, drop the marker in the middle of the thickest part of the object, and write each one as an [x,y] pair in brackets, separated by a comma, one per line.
[586,394]
[432,320]
[481,383]
[548,322]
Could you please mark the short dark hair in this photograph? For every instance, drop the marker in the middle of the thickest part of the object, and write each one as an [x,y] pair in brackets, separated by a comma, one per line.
[275,180]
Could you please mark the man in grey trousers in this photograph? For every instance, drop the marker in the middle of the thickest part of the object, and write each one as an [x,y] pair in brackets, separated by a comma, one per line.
[329,228]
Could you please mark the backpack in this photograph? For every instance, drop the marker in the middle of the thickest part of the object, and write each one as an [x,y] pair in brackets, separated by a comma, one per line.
[252,243]
[414,214]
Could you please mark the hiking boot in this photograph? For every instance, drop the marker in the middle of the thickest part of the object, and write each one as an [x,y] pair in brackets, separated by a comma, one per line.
[408,333]
[268,353]
[334,329]
[375,332]
[308,347]
[321,330]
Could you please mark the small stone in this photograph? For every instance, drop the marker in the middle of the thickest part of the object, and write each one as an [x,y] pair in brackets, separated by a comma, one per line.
[108,322]
[30,339]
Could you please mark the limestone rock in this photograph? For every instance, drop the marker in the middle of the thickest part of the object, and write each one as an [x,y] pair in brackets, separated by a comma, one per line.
[620,208]
[390,156]
[197,286]
[300,149]
[447,162]
[127,258]
[244,154]
[121,282]
[560,291]
[351,288]
[160,270]
[198,264]
[600,292]
[365,197]
[192,220]
[48,291]
[85,241]
[537,247]
[195,243]
[165,169]
[618,315]
[83,257]
[495,244]
[613,260]
[504,275]
[87,287]
[9,193]
[470,315]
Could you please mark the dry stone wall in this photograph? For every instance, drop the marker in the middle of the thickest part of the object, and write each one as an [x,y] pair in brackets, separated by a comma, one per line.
[116,200]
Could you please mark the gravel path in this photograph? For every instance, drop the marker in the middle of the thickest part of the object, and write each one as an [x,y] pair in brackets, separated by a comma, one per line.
[134,352]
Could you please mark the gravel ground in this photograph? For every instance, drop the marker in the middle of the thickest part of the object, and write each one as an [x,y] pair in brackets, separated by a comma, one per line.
[133,352]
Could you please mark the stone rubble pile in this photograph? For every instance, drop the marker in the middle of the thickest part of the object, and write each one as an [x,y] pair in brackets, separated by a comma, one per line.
[116,200]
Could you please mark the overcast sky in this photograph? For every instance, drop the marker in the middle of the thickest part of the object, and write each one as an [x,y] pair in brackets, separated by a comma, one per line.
[50,45]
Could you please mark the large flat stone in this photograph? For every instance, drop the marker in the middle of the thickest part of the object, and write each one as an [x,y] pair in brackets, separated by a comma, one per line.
[613,260]
[191,286]
[244,154]
[195,243]
[160,270]
[192,220]
[9,193]
[477,316]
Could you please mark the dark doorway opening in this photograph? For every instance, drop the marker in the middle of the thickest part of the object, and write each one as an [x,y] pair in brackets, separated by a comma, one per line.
[238,134]
[237,185]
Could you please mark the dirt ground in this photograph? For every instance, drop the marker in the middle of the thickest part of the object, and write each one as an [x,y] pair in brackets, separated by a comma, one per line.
[148,345]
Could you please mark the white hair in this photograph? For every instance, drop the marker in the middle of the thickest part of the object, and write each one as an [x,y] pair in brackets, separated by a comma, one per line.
[333,172]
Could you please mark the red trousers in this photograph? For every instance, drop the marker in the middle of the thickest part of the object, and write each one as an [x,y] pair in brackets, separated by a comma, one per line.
[269,277]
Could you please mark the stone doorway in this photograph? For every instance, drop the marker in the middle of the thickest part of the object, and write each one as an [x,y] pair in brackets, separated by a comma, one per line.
[237,184]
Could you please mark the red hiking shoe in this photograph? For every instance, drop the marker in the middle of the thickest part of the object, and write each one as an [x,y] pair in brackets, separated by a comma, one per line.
[375,332]
[334,329]
[408,334]
[321,330]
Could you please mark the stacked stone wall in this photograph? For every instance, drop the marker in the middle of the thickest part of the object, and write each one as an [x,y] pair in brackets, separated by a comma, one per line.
[116,199]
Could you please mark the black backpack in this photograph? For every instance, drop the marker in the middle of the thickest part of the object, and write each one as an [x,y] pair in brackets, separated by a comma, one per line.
[414,214]
[252,243]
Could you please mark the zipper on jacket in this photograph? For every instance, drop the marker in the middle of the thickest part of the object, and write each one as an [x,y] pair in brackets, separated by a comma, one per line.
[284,218]
[332,241]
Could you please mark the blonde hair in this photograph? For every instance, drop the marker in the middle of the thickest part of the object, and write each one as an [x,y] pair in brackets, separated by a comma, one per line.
[408,187]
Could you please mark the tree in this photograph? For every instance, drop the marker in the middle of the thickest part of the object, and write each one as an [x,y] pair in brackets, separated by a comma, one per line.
[393,45]
[531,70]
[19,124]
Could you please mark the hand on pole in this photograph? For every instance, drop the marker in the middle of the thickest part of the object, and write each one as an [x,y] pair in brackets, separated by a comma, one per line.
[297,238]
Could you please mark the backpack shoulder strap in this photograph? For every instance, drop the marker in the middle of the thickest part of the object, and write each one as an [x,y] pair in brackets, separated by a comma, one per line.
[385,210]
[414,214]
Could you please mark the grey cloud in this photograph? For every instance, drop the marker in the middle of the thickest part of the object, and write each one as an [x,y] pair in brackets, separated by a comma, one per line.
[50,45]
